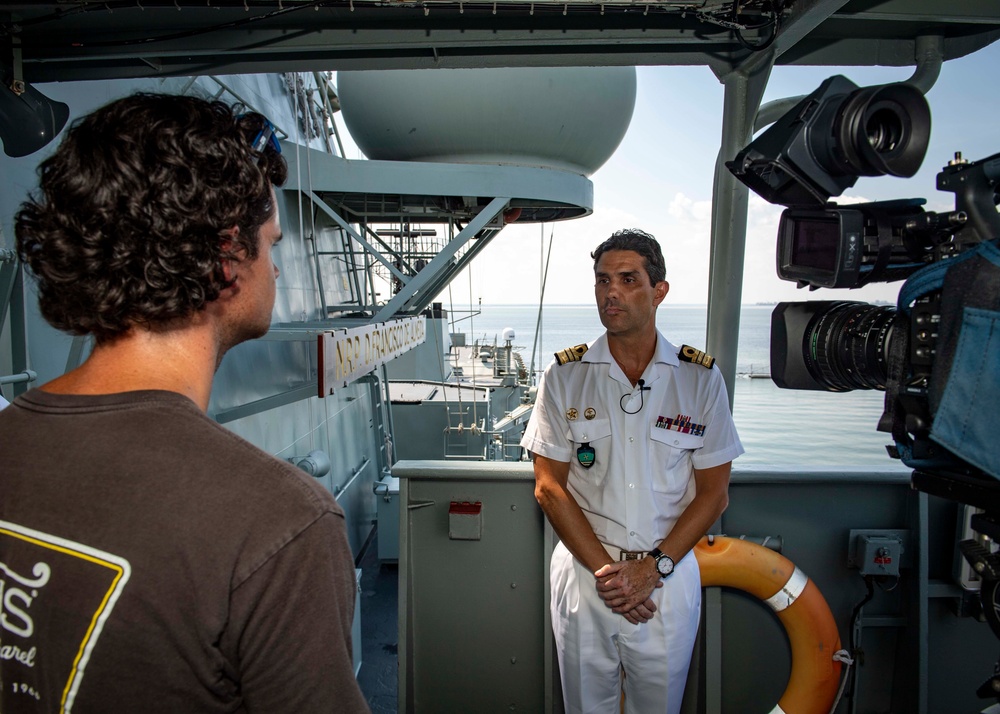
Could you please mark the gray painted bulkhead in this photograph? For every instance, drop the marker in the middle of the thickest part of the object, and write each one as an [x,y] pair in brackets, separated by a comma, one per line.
[474,625]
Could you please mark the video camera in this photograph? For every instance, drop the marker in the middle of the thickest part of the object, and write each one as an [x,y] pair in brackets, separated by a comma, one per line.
[936,354]
[912,351]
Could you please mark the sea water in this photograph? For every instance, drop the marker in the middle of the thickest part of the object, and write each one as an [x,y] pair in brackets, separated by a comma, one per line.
[778,427]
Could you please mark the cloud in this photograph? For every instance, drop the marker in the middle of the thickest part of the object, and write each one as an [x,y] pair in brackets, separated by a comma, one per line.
[688,210]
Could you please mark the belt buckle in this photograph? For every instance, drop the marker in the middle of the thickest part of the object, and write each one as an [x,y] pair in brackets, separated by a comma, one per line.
[631,554]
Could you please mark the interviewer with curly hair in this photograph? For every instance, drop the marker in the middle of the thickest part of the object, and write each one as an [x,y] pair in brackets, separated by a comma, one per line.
[155,561]
[135,209]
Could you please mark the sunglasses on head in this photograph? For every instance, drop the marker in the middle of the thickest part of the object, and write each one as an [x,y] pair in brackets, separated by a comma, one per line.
[267,134]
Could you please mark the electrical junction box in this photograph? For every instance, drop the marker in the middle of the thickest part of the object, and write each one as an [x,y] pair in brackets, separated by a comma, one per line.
[877,552]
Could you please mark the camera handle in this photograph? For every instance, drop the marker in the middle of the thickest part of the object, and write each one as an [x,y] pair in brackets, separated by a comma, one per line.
[974,185]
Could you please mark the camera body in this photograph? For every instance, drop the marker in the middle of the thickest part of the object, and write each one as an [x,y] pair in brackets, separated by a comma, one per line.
[918,352]
[909,351]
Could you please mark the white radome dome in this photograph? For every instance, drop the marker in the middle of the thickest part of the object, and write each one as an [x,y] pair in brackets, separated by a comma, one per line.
[569,118]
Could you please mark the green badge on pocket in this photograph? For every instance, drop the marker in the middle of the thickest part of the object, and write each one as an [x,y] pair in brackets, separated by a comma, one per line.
[586,455]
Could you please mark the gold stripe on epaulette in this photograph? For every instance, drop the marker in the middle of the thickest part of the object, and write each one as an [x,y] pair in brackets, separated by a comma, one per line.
[571,354]
[695,356]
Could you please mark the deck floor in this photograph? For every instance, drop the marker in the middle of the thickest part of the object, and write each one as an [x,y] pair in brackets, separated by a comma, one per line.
[379,631]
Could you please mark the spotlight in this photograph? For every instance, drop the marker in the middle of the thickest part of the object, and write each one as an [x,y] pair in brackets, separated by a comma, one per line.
[315,463]
[28,119]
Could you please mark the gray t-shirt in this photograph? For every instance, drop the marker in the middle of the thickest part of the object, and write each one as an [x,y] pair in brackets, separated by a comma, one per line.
[151,560]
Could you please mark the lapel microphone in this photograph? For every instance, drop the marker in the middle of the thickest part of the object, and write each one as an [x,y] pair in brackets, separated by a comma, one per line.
[642,388]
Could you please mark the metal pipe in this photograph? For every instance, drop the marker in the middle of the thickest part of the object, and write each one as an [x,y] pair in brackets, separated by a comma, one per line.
[772,111]
[928,52]
[25,376]
[743,93]
[357,472]
[323,113]
[324,87]
[729,224]
[382,414]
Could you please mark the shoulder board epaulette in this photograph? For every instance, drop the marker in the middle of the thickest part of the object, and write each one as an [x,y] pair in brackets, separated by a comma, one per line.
[690,354]
[571,354]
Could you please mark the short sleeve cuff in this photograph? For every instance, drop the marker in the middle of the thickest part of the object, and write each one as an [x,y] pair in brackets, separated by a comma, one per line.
[717,458]
[543,448]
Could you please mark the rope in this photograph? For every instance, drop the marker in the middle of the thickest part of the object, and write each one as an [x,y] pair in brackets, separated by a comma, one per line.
[844,657]
[855,646]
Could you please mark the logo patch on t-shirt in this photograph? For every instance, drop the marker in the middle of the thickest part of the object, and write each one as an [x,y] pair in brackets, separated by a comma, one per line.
[55,597]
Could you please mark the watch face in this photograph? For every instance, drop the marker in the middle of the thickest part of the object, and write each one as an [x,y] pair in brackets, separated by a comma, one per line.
[665,565]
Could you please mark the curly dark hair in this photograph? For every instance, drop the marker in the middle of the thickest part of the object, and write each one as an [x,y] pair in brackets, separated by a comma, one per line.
[133,218]
[642,243]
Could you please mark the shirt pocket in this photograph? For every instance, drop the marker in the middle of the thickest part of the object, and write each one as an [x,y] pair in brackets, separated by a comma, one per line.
[672,451]
[597,433]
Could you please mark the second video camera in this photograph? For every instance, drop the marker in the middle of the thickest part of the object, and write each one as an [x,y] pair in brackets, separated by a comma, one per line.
[841,345]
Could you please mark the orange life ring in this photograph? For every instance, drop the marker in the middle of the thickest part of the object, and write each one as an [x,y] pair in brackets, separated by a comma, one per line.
[798,603]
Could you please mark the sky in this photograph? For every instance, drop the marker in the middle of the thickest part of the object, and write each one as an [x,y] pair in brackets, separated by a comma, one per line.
[660,180]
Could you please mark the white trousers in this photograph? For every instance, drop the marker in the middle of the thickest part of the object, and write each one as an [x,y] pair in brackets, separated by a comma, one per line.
[595,644]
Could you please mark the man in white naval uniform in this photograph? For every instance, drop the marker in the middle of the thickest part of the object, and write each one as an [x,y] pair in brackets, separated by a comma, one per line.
[632,441]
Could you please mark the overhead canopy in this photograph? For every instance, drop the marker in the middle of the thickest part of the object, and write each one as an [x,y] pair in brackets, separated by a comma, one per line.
[67,40]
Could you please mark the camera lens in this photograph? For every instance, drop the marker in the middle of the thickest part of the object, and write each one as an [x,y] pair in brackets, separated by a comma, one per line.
[885,130]
[846,346]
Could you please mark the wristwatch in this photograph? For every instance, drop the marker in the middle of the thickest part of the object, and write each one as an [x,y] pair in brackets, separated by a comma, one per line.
[664,563]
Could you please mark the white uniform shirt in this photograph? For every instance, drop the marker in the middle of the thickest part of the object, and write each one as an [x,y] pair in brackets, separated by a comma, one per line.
[642,477]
